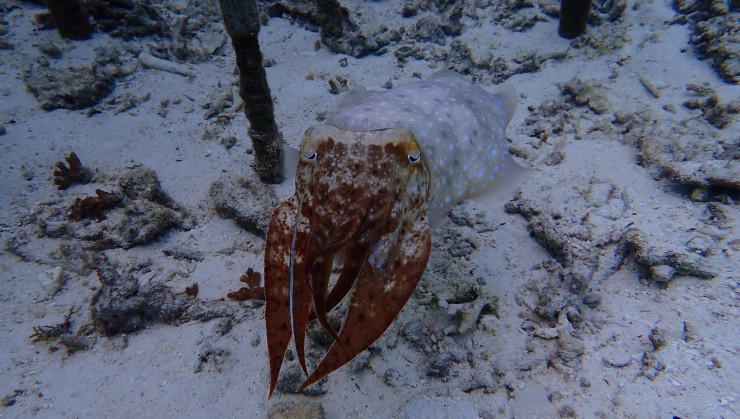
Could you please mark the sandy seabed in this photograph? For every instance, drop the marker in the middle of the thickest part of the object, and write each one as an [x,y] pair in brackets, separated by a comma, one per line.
[605,287]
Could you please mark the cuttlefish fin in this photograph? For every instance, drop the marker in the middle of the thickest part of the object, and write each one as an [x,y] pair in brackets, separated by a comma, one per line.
[377,300]
[277,284]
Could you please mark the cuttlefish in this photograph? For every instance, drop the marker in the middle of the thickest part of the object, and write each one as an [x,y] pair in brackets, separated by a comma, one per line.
[369,183]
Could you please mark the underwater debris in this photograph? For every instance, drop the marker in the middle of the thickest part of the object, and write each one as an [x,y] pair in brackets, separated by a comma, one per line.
[126,19]
[651,366]
[591,93]
[62,334]
[12,398]
[712,109]
[123,305]
[252,291]
[192,291]
[573,17]
[65,176]
[45,333]
[214,358]
[241,19]
[338,86]
[93,207]
[715,30]
[149,61]
[651,252]
[580,229]
[63,85]
[334,20]
[248,202]
[144,213]
[71,18]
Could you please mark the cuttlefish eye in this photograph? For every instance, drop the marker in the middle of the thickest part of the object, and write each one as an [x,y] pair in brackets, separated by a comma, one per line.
[414,157]
[309,155]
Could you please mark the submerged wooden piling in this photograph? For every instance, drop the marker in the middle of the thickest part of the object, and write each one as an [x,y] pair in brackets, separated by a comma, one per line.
[70,18]
[573,17]
[241,19]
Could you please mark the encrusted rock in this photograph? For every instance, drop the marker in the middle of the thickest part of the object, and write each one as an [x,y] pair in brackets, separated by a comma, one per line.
[61,85]
[248,202]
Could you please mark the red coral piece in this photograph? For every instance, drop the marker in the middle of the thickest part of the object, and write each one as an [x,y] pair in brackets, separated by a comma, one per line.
[93,207]
[252,291]
[192,291]
[65,176]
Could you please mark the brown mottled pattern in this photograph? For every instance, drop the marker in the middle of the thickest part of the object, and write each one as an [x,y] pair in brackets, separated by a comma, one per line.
[361,194]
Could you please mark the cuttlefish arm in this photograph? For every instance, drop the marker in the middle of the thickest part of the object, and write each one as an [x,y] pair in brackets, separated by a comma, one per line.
[378,297]
[355,258]
[287,294]
[277,284]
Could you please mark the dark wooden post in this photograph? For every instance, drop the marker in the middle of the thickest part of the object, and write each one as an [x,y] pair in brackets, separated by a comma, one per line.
[330,16]
[71,18]
[241,18]
[573,17]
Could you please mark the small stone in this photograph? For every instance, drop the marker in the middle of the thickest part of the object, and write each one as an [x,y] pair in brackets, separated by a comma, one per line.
[547,333]
[662,273]
[51,281]
[392,378]
[228,142]
[618,359]
[592,300]
[672,391]
[656,339]
[567,411]
[440,366]
[651,366]
[3,131]
[569,347]
[10,399]
[255,341]
[701,245]
[700,195]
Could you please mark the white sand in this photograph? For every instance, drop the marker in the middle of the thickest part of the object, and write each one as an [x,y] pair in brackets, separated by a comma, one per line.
[152,373]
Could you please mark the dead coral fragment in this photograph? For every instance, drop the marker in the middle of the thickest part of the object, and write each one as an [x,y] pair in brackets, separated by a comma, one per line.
[252,291]
[61,333]
[93,207]
[713,110]
[65,176]
[123,305]
[192,291]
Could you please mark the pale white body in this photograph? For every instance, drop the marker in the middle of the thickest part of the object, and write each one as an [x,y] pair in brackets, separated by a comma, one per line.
[459,126]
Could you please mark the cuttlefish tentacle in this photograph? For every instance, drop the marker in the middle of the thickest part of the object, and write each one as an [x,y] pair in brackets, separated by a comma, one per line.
[319,283]
[377,300]
[355,257]
[277,284]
